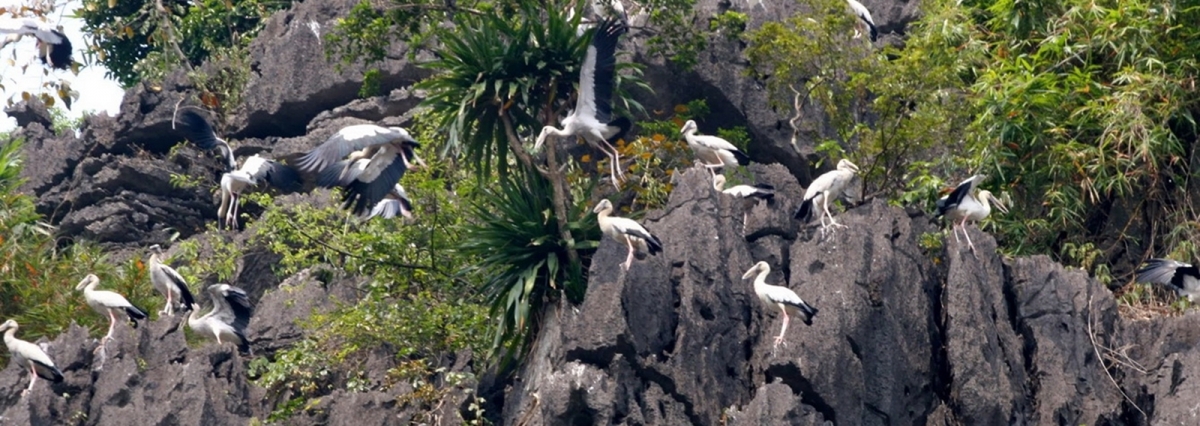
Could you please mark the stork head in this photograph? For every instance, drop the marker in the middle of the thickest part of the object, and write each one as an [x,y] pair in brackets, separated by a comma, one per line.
[756,269]
[542,138]
[689,126]
[604,205]
[88,280]
[156,249]
[719,182]
[10,324]
[846,165]
[987,195]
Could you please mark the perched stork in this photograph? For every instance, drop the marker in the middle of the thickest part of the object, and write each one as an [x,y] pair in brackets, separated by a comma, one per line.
[228,319]
[592,119]
[712,151]
[108,303]
[824,189]
[29,355]
[864,20]
[197,130]
[396,202]
[1182,277]
[639,240]
[255,169]
[748,193]
[780,296]
[960,206]
[168,282]
[54,48]
[388,153]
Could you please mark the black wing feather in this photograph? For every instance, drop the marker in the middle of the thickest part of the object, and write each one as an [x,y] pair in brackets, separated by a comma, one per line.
[604,41]
[955,198]
[197,130]
[362,196]
[283,176]
[184,292]
[48,372]
[804,213]
[240,305]
[60,54]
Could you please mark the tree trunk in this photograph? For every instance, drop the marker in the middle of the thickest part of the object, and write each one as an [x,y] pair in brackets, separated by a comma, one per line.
[558,182]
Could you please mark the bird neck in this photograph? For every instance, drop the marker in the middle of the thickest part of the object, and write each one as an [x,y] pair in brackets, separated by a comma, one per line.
[603,214]
[192,317]
[10,334]
[760,281]
[718,185]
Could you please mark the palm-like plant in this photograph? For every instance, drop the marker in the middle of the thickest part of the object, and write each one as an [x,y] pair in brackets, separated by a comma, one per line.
[527,264]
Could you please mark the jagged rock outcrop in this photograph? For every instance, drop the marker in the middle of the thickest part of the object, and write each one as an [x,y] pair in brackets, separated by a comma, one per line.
[900,338]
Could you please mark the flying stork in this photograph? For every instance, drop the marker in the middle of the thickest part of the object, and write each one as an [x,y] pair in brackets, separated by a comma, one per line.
[823,190]
[747,193]
[712,151]
[167,281]
[108,303]
[54,48]
[960,206]
[864,20]
[29,355]
[592,119]
[639,240]
[1182,277]
[780,296]
[228,319]
[344,172]
[377,156]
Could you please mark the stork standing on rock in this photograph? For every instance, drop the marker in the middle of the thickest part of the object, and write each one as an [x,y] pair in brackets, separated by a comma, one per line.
[633,234]
[712,151]
[228,319]
[388,152]
[54,48]
[108,303]
[780,296]
[1182,277]
[254,170]
[823,190]
[960,207]
[30,356]
[750,194]
[592,119]
[168,282]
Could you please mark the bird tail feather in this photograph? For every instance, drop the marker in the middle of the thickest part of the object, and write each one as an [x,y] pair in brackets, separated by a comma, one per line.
[808,310]
[48,372]
[623,125]
[135,314]
[804,213]
[742,159]
[655,245]
[243,344]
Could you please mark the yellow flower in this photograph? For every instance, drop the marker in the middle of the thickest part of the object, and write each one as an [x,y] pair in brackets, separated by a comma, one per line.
[658,137]
[586,158]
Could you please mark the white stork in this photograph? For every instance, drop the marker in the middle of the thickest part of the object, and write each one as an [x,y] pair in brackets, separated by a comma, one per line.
[639,240]
[197,130]
[54,49]
[108,303]
[396,202]
[389,152]
[255,169]
[592,119]
[228,319]
[29,355]
[712,151]
[960,206]
[1182,277]
[168,282]
[747,193]
[780,296]
[824,189]
[864,20]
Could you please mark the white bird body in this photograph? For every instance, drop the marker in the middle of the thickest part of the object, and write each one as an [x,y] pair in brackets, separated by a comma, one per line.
[780,296]
[961,207]
[108,303]
[1182,277]
[713,151]
[255,169]
[168,282]
[228,319]
[639,240]
[824,189]
[396,202]
[865,19]
[54,48]
[746,192]
[389,151]
[30,356]
[592,119]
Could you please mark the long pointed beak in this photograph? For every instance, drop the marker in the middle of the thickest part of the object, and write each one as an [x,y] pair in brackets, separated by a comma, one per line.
[999,204]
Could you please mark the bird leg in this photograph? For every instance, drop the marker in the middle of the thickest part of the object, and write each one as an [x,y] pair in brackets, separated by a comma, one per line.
[614,161]
[969,244]
[232,218]
[32,379]
[825,202]
[169,308]
[779,338]
[112,324]
[629,258]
